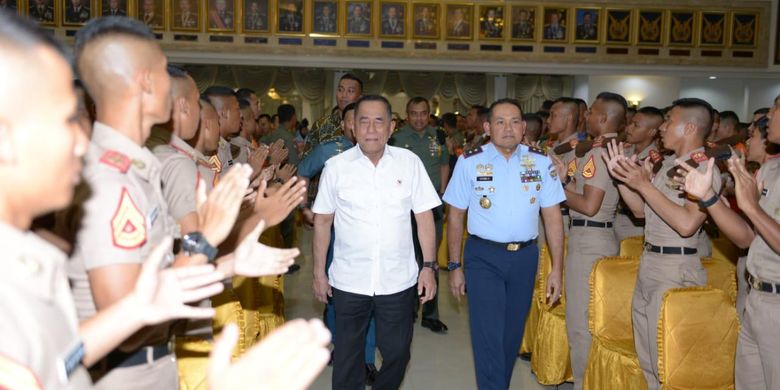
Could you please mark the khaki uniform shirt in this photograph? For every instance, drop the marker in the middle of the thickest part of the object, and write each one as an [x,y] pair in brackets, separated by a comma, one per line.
[244,149]
[762,261]
[657,231]
[39,327]
[569,158]
[121,210]
[428,147]
[224,157]
[182,169]
[592,170]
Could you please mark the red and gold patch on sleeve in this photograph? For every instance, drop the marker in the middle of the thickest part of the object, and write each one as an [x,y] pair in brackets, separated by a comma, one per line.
[128,226]
[589,169]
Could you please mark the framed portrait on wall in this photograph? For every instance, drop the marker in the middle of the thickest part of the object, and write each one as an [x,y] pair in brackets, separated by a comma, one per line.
[491,21]
[744,29]
[713,29]
[425,20]
[392,19]
[221,15]
[185,15]
[358,18]
[43,12]
[586,25]
[682,28]
[76,12]
[290,16]
[113,8]
[620,24]
[651,27]
[523,23]
[325,17]
[151,12]
[9,6]
[554,29]
[459,17]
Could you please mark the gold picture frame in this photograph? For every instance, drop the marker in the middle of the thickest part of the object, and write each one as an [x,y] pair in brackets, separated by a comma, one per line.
[555,25]
[492,21]
[713,28]
[425,21]
[745,28]
[322,23]
[75,17]
[522,25]
[113,7]
[587,25]
[186,16]
[459,25]
[49,13]
[619,26]
[151,13]
[682,28]
[393,26]
[651,27]
[358,18]
[256,17]
[290,17]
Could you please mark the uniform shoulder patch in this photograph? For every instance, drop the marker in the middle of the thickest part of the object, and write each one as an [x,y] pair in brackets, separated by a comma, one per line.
[699,157]
[472,152]
[116,160]
[536,150]
[589,169]
[14,375]
[128,225]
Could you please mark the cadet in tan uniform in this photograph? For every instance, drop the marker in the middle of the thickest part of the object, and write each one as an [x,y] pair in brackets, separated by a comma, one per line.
[562,122]
[226,104]
[672,221]
[641,134]
[592,199]
[241,145]
[757,361]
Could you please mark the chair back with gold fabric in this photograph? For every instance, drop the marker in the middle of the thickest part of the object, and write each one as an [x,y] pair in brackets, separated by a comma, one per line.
[723,248]
[697,339]
[612,284]
[721,274]
[632,246]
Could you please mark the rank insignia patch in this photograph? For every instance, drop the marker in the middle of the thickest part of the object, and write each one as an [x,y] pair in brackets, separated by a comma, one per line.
[571,169]
[128,226]
[589,170]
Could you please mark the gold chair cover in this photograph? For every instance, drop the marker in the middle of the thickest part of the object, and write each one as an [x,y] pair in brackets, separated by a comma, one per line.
[632,246]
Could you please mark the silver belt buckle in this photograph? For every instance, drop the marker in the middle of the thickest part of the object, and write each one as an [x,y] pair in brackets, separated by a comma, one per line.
[755,283]
[513,247]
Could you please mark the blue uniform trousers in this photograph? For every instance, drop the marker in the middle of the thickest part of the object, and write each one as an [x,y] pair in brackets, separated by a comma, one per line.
[500,285]
[330,313]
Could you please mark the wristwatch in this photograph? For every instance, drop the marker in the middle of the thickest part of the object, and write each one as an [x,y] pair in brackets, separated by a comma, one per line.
[196,243]
[431,264]
[452,266]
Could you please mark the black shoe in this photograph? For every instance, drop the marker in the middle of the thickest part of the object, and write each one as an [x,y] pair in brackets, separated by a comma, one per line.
[293,269]
[435,326]
[371,372]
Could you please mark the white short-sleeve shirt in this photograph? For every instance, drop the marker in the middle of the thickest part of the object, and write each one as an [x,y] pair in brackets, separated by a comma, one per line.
[373,251]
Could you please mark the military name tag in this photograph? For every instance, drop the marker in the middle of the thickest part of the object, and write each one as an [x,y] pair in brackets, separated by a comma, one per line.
[764,192]
[484,178]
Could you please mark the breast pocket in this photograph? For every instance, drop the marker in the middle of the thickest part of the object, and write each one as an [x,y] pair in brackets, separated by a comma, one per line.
[353,200]
[397,200]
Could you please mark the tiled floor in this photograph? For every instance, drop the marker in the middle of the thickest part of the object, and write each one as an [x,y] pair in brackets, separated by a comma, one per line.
[438,361]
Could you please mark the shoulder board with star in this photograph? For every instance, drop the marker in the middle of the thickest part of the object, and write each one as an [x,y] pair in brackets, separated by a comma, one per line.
[472,152]
[534,149]
[116,160]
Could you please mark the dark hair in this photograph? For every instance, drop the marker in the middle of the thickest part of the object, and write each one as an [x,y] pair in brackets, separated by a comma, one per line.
[245,93]
[651,111]
[547,105]
[531,117]
[177,72]
[449,119]
[476,107]
[375,98]
[274,117]
[418,100]
[697,103]
[581,102]
[348,108]
[503,101]
[761,111]
[762,124]
[544,115]
[286,112]
[24,34]
[244,104]
[350,76]
[111,25]
[204,103]
[266,116]
[729,116]
[631,109]
[572,103]
[612,97]
[218,91]
[483,113]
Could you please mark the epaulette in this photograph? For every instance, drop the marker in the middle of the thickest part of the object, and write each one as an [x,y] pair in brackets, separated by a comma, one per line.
[472,152]
[584,147]
[534,149]
[235,150]
[116,160]
[566,147]
[720,153]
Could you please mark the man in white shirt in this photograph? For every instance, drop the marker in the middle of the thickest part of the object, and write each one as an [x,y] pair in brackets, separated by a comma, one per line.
[369,191]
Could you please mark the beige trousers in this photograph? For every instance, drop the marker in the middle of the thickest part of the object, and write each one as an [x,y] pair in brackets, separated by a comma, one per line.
[586,246]
[625,227]
[658,273]
[758,346]
[158,375]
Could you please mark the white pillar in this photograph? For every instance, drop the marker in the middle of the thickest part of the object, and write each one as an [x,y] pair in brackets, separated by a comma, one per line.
[499,87]
[580,87]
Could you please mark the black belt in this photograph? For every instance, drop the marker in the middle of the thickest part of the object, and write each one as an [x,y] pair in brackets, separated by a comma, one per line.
[588,223]
[757,284]
[509,246]
[138,357]
[670,250]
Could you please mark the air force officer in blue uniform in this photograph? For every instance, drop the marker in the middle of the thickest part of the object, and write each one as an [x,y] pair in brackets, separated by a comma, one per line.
[502,185]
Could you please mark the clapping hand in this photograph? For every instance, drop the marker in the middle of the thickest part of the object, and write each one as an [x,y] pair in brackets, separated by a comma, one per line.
[276,207]
[695,182]
[286,172]
[254,259]
[624,169]
[217,213]
[257,158]
[278,152]
[747,189]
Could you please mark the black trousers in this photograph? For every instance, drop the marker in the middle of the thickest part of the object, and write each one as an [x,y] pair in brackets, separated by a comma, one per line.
[394,328]
[430,309]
